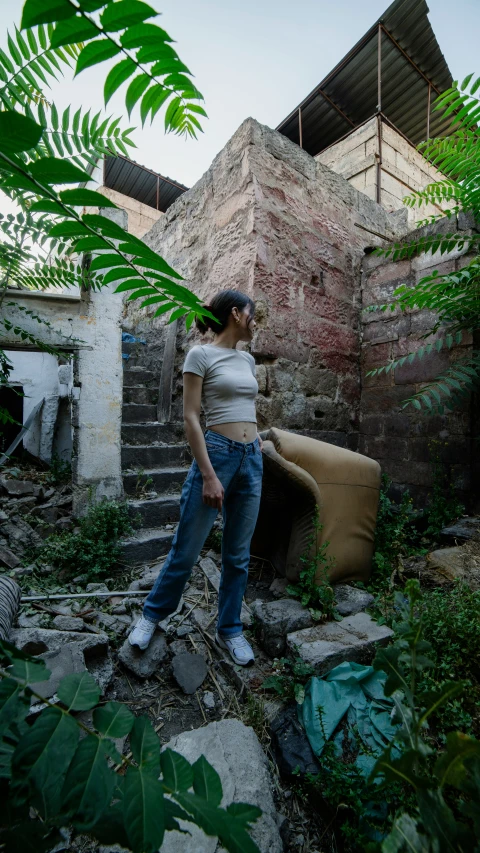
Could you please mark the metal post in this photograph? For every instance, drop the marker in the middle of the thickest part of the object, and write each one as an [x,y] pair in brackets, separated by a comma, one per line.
[300,129]
[428,109]
[158,190]
[379,69]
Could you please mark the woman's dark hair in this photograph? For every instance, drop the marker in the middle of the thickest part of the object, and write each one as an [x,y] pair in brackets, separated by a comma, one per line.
[221,308]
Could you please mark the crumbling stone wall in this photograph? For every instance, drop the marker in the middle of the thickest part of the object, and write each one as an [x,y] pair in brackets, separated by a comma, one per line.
[269,220]
[399,438]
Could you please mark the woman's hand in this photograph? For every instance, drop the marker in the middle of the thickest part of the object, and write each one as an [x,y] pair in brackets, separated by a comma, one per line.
[213,491]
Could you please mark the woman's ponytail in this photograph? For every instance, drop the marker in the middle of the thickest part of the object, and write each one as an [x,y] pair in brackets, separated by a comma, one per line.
[221,307]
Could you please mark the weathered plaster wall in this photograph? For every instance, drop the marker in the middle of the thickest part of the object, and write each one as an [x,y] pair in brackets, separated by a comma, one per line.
[269,220]
[399,438]
[403,168]
[90,327]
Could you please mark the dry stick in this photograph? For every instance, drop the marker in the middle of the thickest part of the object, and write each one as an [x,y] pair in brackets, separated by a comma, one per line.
[220,691]
[200,706]
[187,614]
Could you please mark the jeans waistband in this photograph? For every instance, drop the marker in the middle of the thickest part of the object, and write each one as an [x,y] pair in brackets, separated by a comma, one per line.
[246,446]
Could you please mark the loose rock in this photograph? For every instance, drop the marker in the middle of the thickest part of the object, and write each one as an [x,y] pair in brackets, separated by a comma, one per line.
[189,671]
[8,558]
[351,600]
[97,587]
[209,700]
[352,639]
[68,623]
[61,662]
[95,648]
[463,530]
[144,664]
[276,619]
[278,587]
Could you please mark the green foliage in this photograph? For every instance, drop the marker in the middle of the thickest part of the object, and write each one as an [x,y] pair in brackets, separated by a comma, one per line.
[451,624]
[394,535]
[435,825]
[94,550]
[289,678]
[50,777]
[455,296]
[60,471]
[313,587]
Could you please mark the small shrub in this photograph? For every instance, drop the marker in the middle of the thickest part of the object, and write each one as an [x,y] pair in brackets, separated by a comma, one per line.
[395,535]
[313,587]
[94,550]
[451,624]
[60,471]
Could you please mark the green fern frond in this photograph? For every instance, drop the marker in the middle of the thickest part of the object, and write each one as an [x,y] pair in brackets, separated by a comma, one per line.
[443,243]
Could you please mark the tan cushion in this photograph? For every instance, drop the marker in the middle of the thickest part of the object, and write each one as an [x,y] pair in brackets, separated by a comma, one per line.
[343,484]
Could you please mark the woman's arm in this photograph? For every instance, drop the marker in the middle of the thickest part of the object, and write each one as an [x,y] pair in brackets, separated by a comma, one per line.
[192,395]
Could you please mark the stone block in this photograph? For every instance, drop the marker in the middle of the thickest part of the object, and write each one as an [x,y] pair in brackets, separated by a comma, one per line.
[463,530]
[18,488]
[275,619]
[144,663]
[351,600]
[234,751]
[355,638]
[8,558]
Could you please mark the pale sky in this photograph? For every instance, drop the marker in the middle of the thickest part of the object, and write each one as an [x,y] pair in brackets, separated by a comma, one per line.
[255,58]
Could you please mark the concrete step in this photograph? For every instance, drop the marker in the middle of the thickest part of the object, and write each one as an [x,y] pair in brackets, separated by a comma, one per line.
[140,432]
[155,512]
[140,394]
[163,480]
[139,376]
[146,456]
[147,545]
[138,413]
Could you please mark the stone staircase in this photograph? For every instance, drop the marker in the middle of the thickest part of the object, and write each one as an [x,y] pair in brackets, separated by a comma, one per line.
[155,459]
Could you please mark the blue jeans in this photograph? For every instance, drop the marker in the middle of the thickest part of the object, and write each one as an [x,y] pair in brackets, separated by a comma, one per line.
[239,468]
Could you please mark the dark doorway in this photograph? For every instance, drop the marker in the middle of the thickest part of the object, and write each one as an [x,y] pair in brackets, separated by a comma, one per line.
[11,399]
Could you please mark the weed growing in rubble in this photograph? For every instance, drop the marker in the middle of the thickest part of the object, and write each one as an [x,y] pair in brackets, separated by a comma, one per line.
[93,550]
[313,587]
[289,678]
[60,471]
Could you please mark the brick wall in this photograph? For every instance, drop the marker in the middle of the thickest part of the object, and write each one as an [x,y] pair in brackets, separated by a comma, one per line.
[399,438]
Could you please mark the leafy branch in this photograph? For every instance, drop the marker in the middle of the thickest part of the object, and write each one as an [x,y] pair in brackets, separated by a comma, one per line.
[48,771]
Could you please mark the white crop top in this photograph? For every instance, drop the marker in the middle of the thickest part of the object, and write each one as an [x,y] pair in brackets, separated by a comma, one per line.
[229,384]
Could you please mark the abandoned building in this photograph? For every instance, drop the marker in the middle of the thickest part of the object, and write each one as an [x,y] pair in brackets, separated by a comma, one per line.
[290,217]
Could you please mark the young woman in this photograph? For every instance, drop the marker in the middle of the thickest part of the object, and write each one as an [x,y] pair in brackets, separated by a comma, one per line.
[226,474]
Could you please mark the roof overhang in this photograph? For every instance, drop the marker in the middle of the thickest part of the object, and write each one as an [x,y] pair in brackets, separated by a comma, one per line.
[396,69]
[136,181]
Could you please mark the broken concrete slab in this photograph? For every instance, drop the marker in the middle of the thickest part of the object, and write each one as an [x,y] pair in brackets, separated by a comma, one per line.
[68,623]
[144,664]
[276,619]
[189,671]
[351,600]
[97,587]
[210,570]
[95,648]
[235,752]
[61,663]
[354,638]
[18,488]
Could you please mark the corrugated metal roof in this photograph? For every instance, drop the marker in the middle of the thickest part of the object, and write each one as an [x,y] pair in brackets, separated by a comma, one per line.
[130,178]
[352,85]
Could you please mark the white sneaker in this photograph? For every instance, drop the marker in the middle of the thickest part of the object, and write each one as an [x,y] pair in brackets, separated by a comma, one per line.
[142,633]
[239,648]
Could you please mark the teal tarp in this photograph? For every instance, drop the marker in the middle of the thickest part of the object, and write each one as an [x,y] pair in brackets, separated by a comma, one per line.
[357,693]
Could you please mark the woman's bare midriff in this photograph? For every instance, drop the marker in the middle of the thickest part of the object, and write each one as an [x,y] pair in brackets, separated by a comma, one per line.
[238,431]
